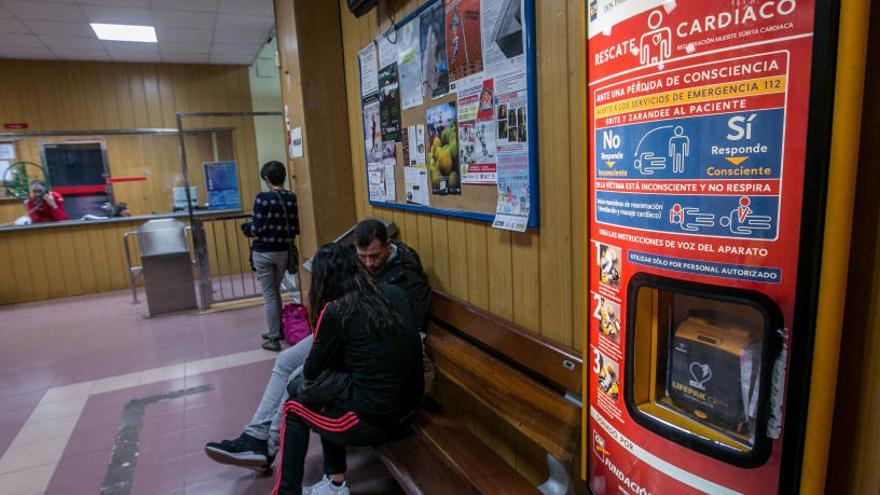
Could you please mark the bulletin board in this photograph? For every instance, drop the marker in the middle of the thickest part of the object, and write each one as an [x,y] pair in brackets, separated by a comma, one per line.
[448,100]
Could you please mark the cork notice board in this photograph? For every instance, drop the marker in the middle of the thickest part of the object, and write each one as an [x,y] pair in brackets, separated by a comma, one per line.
[501,33]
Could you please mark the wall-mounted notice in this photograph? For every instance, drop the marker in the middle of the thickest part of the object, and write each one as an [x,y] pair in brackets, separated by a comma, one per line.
[416,135]
[369,70]
[417,188]
[296,142]
[389,103]
[221,182]
[372,130]
[476,137]
[458,98]
[432,43]
[376,181]
[410,63]
[502,31]
[698,113]
[443,155]
[464,46]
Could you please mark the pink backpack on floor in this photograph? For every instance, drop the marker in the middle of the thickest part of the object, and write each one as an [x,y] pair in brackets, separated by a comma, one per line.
[295,322]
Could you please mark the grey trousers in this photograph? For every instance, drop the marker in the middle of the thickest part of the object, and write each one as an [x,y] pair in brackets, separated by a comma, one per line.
[270,272]
[266,423]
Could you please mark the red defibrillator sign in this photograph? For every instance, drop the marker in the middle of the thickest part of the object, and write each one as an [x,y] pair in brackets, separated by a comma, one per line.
[697,117]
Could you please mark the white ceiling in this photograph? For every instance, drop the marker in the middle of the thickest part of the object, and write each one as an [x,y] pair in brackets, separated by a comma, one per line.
[189,31]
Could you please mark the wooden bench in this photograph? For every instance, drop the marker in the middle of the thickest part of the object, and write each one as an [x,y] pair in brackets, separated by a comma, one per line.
[525,380]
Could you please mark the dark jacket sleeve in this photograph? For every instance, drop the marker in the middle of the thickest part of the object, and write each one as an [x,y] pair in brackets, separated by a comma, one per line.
[417,288]
[327,345]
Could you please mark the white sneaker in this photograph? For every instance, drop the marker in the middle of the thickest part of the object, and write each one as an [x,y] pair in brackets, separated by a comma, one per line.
[326,487]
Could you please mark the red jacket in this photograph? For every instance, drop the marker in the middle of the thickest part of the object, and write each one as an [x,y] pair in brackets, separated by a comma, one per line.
[42,212]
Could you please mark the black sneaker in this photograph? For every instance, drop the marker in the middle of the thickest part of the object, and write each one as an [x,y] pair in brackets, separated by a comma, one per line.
[273,345]
[265,336]
[245,451]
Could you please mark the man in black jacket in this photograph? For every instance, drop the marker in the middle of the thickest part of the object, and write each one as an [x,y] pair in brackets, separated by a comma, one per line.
[394,263]
[389,262]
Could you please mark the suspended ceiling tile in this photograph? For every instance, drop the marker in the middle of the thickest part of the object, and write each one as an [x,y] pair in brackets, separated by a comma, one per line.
[27,53]
[244,21]
[55,28]
[14,40]
[240,36]
[71,43]
[180,19]
[179,35]
[45,11]
[89,55]
[13,26]
[256,7]
[193,5]
[118,15]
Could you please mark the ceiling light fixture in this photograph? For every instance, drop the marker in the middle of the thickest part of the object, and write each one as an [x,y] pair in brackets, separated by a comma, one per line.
[125,32]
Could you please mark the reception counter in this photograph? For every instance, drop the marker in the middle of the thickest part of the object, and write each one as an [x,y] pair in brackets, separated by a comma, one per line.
[50,260]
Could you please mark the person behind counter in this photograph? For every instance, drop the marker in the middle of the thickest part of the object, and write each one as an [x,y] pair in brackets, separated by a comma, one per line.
[43,205]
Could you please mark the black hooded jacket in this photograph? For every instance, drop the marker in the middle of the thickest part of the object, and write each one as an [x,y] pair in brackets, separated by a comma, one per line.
[405,271]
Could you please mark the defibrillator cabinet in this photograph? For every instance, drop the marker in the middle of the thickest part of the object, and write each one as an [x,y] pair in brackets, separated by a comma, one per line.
[709,131]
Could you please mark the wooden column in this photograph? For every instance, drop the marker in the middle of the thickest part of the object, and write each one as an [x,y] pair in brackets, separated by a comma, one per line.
[313,92]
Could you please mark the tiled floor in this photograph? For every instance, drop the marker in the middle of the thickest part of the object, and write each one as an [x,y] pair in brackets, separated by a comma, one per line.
[69,367]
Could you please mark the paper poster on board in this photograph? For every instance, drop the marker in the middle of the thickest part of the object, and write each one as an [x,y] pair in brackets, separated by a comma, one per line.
[409,63]
[389,103]
[432,44]
[464,50]
[417,189]
[416,142]
[387,50]
[476,148]
[443,163]
[369,68]
[376,181]
[390,184]
[372,130]
[502,32]
[511,104]
[514,197]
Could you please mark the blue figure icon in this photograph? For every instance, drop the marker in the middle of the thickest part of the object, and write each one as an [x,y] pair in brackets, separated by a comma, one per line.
[679,148]
[646,160]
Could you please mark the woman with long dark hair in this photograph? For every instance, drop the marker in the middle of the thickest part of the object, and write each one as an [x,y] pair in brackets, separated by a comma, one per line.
[362,377]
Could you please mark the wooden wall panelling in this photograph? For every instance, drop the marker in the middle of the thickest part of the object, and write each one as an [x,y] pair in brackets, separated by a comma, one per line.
[478,264]
[526,269]
[7,268]
[556,206]
[577,158]
[456,232]
[426,246]
[500,276]
[442,249]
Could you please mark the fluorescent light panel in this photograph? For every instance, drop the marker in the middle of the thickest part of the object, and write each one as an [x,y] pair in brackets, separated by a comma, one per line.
[125,32]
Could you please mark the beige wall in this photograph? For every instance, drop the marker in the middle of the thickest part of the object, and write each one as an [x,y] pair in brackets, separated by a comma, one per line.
[266,97]
[67,96]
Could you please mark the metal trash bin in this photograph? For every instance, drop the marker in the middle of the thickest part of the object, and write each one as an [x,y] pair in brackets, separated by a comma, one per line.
[166,266]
